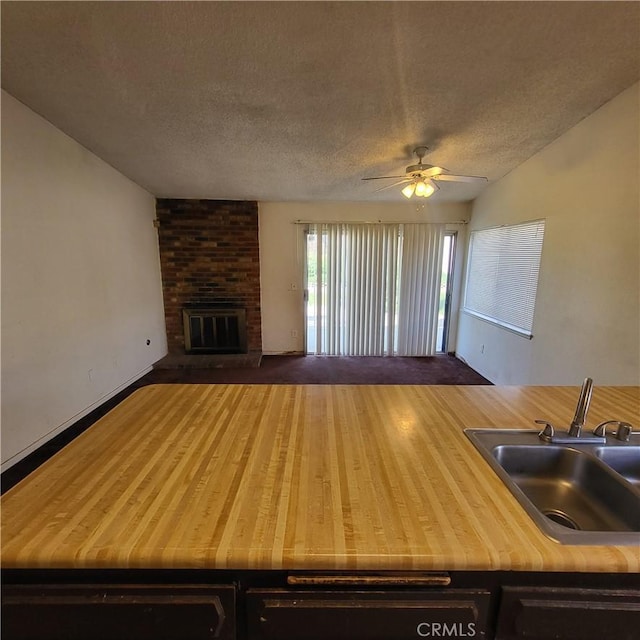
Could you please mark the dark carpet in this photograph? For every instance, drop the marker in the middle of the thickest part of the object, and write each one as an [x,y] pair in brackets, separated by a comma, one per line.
[440,369]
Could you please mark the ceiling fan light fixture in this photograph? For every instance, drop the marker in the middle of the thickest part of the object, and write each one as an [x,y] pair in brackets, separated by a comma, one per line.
[422,180]
[407,192]
[424,189]
[429,190]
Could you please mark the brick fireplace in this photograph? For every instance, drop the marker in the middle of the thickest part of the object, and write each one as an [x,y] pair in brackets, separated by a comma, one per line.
[210,262]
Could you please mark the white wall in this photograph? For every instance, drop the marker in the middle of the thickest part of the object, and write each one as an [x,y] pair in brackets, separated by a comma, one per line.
[587,320]
[81,288]
[281,256]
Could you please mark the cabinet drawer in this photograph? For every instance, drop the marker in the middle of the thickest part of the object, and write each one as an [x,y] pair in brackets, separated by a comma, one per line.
[114,612]
[568,614]
[283,614]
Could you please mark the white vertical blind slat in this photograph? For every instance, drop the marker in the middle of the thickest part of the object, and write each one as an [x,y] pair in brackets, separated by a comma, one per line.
[419,289]
[319,300]
[373,294]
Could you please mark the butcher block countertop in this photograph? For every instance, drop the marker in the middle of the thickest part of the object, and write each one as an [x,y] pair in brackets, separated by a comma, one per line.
[346,477]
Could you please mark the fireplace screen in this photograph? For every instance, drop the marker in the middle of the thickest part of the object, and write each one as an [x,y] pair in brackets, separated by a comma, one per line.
[215,330]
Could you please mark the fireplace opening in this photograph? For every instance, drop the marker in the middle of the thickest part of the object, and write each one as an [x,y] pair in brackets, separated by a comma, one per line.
[215,330]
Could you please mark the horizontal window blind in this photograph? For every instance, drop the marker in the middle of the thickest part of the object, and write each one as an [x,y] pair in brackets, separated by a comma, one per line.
[502,274]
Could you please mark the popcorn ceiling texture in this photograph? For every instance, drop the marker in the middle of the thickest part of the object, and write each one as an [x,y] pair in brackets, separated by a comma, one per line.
[297,101]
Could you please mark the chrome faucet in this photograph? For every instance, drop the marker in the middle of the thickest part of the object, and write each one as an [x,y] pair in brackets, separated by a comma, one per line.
[572,436]
[580,416]
[549,434]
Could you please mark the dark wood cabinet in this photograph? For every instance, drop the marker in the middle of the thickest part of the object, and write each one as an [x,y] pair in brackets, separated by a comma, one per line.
[568,614]
[285,614]
[280,605]
[118,612]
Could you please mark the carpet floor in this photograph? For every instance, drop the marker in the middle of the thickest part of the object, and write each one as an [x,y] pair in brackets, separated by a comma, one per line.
[440,369]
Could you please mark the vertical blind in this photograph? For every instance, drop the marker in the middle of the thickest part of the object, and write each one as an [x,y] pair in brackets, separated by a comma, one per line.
[419,298]
[376,288]
[502,274]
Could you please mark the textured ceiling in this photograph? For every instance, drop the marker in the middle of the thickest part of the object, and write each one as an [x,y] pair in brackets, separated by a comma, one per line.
[280,101]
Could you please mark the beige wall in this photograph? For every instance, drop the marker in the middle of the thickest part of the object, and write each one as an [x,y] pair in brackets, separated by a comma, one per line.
[281,255]
[81,289]
[587,320]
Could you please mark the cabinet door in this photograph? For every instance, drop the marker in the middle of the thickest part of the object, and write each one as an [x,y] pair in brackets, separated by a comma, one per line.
[283,614]
[568,614]
[116,612]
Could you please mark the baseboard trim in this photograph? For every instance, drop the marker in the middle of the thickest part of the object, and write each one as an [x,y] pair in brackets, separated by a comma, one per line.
[25,461]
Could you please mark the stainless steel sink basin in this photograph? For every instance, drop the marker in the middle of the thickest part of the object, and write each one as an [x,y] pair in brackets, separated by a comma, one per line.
[623,460]
[583,494]
[570,487]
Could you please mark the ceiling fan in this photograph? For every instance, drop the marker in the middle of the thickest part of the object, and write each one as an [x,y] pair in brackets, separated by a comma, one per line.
[422,179]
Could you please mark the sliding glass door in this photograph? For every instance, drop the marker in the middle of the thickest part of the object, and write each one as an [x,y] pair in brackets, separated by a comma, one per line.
[373,289]
[446,288]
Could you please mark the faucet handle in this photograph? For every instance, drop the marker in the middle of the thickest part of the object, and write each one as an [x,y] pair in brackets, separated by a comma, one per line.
[601,430]
[623,433]
[548,432]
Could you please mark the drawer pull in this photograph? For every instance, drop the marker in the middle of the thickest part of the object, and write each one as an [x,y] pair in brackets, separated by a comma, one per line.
[381,580]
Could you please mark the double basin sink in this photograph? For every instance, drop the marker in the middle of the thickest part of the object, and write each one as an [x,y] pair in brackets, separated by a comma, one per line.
[576,493]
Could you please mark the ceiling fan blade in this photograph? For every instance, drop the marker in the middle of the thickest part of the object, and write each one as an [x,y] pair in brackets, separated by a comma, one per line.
[395,184]
[448,177]
[433,172]
[384,177]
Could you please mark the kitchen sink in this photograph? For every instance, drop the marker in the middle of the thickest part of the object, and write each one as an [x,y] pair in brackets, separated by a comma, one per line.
[576,494]
[623,460]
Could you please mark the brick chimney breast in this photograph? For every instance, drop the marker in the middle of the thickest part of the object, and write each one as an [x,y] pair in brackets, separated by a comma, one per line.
[209,256]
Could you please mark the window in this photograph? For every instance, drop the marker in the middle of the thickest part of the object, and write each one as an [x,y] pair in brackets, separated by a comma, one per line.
[502,275]
[446,288]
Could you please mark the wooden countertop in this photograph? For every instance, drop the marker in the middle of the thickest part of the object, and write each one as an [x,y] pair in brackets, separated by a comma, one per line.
[306,477]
